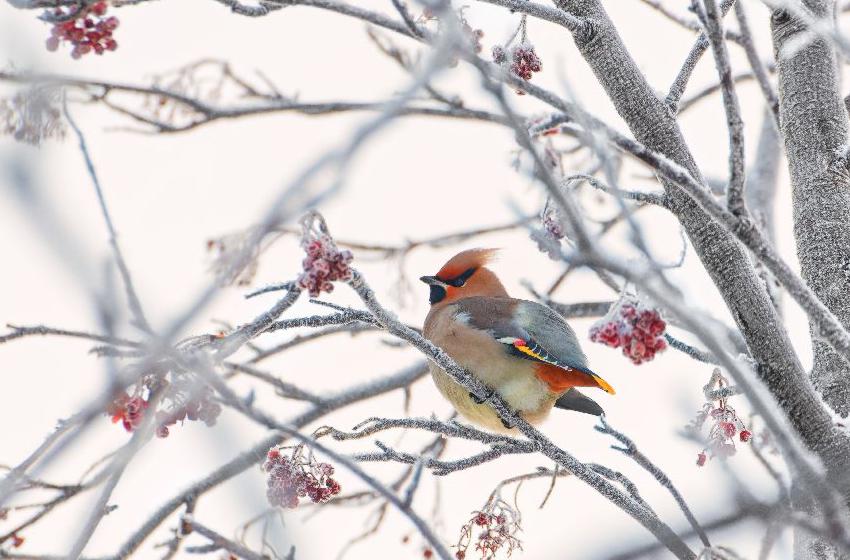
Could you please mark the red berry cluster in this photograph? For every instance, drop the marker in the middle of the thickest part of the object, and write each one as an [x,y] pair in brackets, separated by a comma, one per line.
[294,477]
[639,331]
[525,61]
[325,263]
[179,399]
[202,408]
[129,410]
[88,30]
[724,425]
[496,529]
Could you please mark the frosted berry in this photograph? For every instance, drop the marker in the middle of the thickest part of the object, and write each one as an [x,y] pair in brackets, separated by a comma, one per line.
[701,459]
[324,264]
[525,62]
[199,407]
[129,410]
[292,478]
[745,435]
[87,31]
[499,55]
[493,529]
[638,331]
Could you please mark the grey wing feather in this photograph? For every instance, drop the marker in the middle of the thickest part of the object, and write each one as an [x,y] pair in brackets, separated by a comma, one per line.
[530,321]
[550,331]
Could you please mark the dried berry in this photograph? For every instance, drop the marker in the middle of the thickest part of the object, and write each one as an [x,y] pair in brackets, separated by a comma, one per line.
[493,529]
[722,420]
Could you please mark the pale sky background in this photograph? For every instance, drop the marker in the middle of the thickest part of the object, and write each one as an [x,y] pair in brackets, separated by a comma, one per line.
[420,177]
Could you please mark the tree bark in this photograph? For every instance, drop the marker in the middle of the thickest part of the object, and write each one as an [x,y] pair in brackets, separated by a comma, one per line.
[726,261]
[762,183]
[815,129]
[814,126]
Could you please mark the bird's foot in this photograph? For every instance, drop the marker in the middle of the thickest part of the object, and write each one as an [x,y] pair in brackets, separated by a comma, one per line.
[478,400]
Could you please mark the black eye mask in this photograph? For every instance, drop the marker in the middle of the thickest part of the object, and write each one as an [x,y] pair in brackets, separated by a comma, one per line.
[459,281]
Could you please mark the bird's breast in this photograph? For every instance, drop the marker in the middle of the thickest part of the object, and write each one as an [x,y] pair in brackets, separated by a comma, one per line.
[515,379]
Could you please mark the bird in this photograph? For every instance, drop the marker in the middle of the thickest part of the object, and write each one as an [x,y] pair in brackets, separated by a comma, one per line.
[522,350]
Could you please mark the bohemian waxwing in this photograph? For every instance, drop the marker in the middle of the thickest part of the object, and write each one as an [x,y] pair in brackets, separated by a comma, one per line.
[521,349]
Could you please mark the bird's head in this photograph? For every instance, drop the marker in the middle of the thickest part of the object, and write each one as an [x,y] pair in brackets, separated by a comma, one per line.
[465,275]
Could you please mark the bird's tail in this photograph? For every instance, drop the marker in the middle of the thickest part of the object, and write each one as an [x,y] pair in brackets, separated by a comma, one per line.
[573,400]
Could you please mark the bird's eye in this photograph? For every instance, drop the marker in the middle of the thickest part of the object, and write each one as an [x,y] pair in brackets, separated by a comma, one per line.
[459,281]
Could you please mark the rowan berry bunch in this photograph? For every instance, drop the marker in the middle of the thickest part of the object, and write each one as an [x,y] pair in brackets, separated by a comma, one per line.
[524,61]
[638,330]
[198,407]
[325,262]
[183,398]
[296,476]
[86,28]
[130,411]
[725,428]
[492,529]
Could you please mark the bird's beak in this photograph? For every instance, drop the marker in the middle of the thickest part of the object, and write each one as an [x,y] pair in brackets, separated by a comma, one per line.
[432,281]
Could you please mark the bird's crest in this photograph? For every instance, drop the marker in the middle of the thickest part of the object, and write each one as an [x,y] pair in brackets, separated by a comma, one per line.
[463,261]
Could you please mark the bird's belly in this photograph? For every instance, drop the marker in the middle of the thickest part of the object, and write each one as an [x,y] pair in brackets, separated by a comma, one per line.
[524,394]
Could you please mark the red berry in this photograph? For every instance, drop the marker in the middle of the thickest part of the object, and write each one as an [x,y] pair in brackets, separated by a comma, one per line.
[460,554]
[99,9]
[701,459]
[427,553]
[745,435]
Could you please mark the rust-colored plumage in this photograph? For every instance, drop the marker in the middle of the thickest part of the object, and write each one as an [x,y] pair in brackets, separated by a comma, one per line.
[465,260]
[523,350]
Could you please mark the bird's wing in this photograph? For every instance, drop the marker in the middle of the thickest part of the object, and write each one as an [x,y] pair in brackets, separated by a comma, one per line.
[528,330]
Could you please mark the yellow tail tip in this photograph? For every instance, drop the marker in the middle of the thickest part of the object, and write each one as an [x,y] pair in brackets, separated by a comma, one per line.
[604,385]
